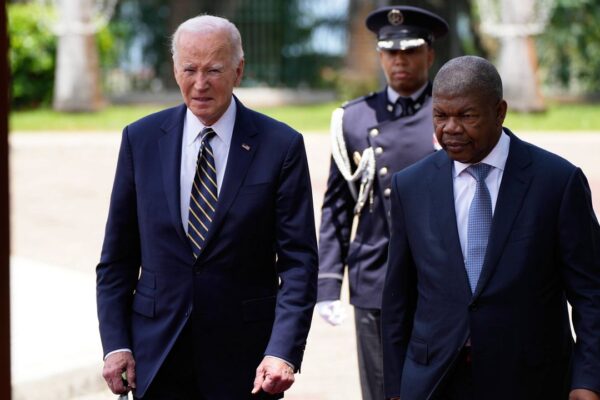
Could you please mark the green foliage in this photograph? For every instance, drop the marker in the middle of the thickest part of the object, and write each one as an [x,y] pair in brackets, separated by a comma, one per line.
[109,47]
[144,27]
[558,117]
[569,50]
[349,86]
[112,118]
[277,37]
[305,118]
[32,55]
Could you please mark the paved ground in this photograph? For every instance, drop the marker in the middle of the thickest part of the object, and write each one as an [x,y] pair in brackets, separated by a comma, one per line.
[60,184]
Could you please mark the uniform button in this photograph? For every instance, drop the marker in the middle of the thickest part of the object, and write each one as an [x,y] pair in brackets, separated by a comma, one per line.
[417,106]
[390,108]
[387,192]
[378,150]
[383,171]
[374,132]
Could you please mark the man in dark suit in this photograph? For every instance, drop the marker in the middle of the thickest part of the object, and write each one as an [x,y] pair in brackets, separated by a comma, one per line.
[207,278]
[490,239]
[375,136]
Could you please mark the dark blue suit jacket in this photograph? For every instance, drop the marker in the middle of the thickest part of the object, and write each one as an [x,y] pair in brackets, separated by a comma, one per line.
[252,289]
[544,249]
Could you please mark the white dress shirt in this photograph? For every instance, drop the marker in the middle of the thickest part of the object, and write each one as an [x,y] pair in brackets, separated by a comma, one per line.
[465,185]
[190,145]
[393,95]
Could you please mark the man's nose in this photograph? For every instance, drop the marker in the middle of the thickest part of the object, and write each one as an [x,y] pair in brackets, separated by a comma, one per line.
[201,81]
[400,57]
[452,126]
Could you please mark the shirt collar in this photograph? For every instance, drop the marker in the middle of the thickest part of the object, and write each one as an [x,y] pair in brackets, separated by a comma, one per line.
[393,95]
[496,158]
[223,127]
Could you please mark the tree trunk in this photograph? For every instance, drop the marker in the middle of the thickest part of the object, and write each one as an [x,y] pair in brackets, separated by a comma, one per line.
[77,79]
[517,60]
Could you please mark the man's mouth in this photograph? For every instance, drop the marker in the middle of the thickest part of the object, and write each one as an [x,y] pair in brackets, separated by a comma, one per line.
[454,146]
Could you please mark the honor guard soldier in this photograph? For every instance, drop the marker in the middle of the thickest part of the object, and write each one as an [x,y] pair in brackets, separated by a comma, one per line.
[373,137]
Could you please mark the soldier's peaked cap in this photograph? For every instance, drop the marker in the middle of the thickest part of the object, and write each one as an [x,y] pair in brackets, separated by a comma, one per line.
[405,27]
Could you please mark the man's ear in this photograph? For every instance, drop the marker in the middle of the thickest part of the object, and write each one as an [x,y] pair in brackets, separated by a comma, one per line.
[501,112]
[174,67]
[239,72]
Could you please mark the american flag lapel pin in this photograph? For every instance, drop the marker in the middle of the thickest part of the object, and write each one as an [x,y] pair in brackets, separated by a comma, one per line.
[245,147]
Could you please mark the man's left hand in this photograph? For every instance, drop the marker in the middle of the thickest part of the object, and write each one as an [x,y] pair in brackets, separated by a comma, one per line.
[273,376]
[583,394]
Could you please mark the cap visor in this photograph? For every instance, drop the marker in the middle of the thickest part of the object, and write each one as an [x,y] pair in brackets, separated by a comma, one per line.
[400,44]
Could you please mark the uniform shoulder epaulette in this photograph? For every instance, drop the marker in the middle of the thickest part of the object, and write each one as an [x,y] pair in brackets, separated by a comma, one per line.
[358,99]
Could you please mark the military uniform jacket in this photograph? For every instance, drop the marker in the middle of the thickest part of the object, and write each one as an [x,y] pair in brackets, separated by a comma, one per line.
[397,143]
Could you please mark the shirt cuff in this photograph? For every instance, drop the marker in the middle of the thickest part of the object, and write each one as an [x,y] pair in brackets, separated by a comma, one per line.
[116,351]
[289,364]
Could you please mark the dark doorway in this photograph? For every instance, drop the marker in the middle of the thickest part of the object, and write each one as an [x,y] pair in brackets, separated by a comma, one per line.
[5,392]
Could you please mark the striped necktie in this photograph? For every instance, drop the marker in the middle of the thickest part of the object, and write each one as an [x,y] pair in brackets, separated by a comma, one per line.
[480,222]
[203,199]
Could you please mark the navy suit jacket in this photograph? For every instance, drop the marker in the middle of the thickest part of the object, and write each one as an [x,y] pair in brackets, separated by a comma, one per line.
[252,289]
[544,249]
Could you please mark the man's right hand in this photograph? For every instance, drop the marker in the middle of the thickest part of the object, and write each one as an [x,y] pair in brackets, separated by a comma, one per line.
[332,311]
[114,366]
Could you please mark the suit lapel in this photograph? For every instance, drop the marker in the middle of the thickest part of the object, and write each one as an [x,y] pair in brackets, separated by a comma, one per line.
[515,182]
[170,157]
[442,195]
[243,146]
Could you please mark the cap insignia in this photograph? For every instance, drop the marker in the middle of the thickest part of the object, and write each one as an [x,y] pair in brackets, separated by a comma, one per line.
[395,17]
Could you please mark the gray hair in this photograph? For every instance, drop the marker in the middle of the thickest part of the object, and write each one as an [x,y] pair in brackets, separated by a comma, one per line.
[211,24]
[468,74]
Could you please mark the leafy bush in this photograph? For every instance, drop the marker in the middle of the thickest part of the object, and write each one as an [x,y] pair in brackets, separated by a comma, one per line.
[569,50]
[32,55]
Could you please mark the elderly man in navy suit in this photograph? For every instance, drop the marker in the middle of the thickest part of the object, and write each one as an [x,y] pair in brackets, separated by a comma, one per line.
[490,240]
[208,273]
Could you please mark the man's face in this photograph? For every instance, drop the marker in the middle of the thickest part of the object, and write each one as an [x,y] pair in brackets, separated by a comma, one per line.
[467,125]
[407,70]
[205,73]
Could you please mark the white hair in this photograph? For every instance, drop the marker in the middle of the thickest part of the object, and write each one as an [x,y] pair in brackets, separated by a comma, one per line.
[211,24]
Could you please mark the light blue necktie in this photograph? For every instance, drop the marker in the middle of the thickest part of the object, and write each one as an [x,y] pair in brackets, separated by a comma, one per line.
[480,221]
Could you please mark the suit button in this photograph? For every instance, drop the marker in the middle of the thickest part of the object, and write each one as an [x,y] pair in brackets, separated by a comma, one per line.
[387,192]
[379,150]
[473,307]
[374,132]
[390,107]
[383,171]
